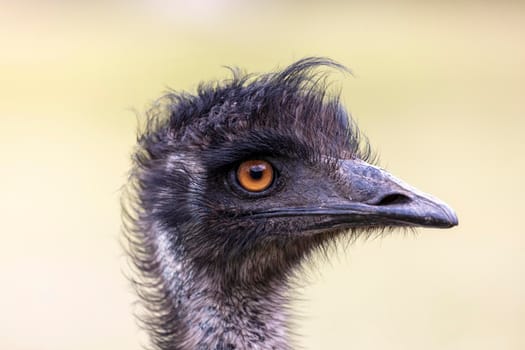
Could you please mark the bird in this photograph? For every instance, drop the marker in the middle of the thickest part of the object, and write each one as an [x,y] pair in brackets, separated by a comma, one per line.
[234,188]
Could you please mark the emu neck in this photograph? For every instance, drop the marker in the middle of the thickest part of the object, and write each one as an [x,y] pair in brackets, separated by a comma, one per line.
[219,316]
[211,309]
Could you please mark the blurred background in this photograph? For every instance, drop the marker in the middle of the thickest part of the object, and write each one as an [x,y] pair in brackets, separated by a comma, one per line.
[438,88]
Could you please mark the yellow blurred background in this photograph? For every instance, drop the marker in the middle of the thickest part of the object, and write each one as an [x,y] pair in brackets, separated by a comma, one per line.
[438,88]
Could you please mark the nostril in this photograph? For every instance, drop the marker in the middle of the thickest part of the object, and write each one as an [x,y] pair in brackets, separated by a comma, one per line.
[393,198]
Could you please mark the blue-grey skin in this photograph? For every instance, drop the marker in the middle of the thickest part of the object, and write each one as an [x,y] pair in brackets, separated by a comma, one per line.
[214,262]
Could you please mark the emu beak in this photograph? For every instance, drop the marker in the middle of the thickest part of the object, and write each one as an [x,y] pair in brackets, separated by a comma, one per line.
[377,197]
[367,196]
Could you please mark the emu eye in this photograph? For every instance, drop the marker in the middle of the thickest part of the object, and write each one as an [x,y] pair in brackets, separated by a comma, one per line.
[255,175]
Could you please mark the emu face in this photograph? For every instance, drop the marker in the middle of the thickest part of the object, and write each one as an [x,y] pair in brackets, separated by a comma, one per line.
[236,185]
[320,181]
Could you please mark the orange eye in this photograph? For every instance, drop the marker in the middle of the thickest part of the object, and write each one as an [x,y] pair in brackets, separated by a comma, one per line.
[255,175]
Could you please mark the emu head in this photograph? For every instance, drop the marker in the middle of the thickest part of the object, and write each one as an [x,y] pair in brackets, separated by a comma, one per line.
[248,176]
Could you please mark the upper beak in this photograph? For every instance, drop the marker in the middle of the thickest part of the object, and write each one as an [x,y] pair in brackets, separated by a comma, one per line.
[375,196]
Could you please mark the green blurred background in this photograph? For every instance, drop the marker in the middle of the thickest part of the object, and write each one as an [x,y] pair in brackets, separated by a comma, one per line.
[438,88]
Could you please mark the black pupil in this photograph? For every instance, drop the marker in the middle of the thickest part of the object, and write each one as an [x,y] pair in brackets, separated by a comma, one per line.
[256,171]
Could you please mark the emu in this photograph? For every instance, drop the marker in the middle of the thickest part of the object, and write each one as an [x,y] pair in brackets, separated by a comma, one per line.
[232,190]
